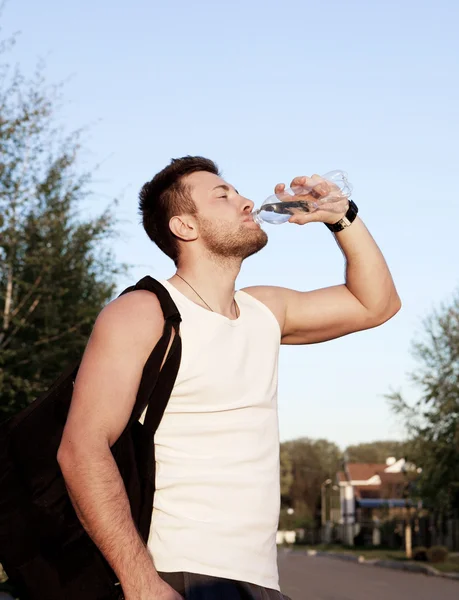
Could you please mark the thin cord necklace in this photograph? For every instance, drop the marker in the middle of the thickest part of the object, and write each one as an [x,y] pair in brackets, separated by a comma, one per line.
[236,310]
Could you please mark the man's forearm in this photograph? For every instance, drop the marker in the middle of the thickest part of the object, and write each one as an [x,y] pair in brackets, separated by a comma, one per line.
[367,275]
[98,494]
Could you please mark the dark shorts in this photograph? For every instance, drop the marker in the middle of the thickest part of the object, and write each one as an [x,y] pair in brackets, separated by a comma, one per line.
[193,586]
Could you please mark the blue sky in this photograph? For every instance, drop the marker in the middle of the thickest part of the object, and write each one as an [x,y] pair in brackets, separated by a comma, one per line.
[271,90]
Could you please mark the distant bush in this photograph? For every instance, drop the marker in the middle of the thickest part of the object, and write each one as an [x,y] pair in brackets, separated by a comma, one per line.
[437,554]
[420,553]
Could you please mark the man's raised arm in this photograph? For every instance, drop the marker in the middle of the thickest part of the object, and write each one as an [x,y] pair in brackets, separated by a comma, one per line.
[367,299]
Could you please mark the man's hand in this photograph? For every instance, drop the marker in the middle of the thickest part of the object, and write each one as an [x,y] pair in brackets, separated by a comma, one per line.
[315,190]
[165,592]
[160,591]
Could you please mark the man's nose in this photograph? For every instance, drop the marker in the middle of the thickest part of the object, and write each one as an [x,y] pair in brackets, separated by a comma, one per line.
[248,205]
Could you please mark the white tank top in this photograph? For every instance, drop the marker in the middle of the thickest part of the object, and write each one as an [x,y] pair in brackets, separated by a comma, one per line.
[216,505]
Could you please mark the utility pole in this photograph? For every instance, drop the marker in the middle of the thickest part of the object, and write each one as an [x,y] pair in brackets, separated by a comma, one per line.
[408,548]
[408,530]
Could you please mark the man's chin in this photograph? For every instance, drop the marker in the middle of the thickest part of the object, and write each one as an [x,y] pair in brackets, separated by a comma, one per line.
[257,243]
[244,241]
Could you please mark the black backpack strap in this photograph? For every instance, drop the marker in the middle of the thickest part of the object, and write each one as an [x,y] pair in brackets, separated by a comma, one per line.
[164,386]
[154,379]
[170,311]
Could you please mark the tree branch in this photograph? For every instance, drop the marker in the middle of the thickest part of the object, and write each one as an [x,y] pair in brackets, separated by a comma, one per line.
[21,323]
[58,336]
[29,293]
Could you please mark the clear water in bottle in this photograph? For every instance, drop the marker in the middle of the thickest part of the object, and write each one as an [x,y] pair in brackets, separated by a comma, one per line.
[278,208]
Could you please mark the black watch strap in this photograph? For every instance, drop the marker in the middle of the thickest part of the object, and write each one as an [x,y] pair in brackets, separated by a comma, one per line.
[348,218]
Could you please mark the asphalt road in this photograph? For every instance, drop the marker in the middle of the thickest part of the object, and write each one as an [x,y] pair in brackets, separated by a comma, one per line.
[319,578]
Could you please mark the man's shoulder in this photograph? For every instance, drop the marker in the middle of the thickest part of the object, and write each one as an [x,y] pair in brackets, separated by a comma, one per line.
[268,294]
[135,314]
[138,302]
[271,296]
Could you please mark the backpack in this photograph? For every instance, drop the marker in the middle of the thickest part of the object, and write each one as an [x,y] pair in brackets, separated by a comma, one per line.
[44,549]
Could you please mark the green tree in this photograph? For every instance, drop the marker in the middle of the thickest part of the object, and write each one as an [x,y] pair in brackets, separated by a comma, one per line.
[312,462]
[432,422]
[286,474]
[56,273]
[375,452]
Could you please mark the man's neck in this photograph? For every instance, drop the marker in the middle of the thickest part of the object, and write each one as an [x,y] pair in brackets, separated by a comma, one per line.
[213,280]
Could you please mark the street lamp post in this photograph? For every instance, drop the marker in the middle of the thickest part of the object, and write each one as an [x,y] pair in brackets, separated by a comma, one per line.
[322,496]
[325,525]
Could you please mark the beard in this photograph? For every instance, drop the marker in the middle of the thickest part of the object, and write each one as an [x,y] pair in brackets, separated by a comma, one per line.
[223,241]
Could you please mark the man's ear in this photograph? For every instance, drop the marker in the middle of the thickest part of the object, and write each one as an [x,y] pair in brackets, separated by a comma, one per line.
[184,227]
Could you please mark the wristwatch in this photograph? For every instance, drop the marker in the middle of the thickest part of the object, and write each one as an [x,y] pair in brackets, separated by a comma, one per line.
[347,220]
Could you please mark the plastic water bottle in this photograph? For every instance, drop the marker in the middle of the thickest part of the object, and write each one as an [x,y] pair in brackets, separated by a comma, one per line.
[278,208]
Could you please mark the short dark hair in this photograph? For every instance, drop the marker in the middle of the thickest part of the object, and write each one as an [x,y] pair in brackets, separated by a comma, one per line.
[166,196]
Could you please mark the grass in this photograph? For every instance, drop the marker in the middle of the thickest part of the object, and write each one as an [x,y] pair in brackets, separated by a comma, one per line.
[451,565]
